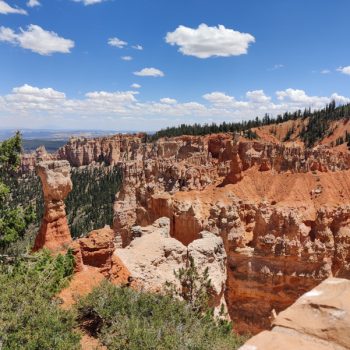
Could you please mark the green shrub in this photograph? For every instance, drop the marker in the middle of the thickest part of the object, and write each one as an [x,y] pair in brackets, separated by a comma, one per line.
[123,318]
[30,317]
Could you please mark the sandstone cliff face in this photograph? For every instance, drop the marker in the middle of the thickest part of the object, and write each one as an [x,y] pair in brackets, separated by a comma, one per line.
[282,212]
[54,232]
[110,150]
[29,161]
[318,320]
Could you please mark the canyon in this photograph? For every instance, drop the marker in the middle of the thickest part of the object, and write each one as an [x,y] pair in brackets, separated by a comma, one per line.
[270,219]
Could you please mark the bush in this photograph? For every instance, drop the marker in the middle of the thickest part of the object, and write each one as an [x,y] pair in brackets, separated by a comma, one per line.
[123,318]
[30,317]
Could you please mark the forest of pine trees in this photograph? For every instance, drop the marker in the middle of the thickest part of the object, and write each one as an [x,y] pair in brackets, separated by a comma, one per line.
[316,129]
[90,204]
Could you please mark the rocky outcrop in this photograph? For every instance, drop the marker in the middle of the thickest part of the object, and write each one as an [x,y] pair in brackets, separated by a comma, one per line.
[97,250]
[29,160]
[153,256]
[319,320]
[54,232]
[108,150]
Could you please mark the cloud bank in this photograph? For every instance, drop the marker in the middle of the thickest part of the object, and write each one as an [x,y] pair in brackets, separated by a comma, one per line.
[101,108]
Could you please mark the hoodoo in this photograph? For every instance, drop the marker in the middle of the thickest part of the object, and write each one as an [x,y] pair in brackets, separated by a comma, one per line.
[54,232]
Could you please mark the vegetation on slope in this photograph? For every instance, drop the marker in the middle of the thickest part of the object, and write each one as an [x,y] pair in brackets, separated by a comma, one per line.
[90,204]
[14,219]
[30,316]
[123,318]
[316,129]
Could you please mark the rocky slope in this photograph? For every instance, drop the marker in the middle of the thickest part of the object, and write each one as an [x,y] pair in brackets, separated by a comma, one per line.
[281,211]
[318,320]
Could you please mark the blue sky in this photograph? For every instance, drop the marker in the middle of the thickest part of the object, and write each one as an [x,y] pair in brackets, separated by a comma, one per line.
[201,61]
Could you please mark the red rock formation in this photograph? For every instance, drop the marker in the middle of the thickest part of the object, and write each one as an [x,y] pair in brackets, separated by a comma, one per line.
[282,211]
[54,232]
[94,262]
[96,250]
[319,320]
[29,161]
[284,224]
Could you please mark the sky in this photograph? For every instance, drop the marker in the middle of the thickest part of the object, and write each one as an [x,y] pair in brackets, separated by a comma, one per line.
[146,64]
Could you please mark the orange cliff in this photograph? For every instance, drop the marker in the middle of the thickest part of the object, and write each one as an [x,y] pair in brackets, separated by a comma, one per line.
[282,211]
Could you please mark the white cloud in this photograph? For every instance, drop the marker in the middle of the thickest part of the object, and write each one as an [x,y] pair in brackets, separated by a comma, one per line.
[37,105]
[205,42]
[117,42]
[89,2]
[300,98]
[218,98]
[344,70]
[340,99]
[137,47]
[33,3]
[136,86]
[126,58]
[325,71]
[149,72]
[35,92]
[258,96]
[37,40]
[123,97]
[168,101]
[5,9]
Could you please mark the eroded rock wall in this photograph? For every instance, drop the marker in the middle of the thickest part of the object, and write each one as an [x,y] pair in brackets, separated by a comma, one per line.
[282,212]
[318,320]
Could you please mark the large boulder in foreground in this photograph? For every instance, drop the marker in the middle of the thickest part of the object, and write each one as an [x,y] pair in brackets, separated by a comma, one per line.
[319,320]
[56,182]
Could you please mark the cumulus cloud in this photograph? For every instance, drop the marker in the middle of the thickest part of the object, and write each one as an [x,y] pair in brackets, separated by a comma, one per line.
[33,3]
[205,41]
[218,98]
[126,58]
[137,47]
[300,98]
[37,40]
[123,97]
[258,96]
[168,100]
[136,86]
[344,70]
[149,72]
[325,71]
[5,9]
[117,42]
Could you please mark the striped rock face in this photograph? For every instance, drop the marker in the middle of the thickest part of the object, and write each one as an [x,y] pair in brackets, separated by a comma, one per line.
[318,320]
